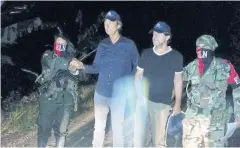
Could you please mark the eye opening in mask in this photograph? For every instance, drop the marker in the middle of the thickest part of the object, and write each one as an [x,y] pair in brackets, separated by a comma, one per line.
[60,47]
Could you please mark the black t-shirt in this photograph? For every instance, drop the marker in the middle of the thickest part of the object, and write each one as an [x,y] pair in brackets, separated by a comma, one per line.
[159,71]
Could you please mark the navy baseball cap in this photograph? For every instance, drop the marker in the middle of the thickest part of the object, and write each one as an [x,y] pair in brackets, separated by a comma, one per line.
[113,16]
[162,27]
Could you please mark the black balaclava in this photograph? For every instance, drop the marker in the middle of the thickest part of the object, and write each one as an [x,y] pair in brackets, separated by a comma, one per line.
[205,57]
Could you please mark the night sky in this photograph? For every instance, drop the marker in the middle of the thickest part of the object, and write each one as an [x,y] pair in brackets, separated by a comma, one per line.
[188,20]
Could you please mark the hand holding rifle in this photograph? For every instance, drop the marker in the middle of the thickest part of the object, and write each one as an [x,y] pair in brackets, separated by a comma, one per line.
[77,64]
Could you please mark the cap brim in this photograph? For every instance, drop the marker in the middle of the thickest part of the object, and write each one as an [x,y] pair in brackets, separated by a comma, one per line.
[111,18]
[158,31]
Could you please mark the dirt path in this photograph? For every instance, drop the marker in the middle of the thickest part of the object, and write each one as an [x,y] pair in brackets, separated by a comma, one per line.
[83,121]
[81,133]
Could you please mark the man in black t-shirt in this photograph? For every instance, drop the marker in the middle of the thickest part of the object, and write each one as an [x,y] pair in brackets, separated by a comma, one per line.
[162,67]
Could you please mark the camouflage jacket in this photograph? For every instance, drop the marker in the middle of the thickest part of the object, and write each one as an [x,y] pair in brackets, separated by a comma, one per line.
[50,66]
[209,90]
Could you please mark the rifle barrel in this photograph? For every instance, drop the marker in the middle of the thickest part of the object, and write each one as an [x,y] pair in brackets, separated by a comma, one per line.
[84,57]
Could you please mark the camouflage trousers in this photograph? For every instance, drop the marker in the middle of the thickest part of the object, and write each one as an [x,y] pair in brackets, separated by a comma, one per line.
[200,131]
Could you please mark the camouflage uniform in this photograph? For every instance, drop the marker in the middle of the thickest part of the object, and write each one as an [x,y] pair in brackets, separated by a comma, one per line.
[207,109]
[57,101]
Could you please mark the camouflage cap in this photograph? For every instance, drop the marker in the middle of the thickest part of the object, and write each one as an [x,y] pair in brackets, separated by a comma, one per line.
[207,42]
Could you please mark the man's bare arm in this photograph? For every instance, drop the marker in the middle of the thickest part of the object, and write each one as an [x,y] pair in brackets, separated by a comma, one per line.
[138,78]
[139,73]
[178,86]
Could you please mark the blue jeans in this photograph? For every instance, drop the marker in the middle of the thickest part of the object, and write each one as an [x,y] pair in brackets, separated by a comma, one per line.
[102,105]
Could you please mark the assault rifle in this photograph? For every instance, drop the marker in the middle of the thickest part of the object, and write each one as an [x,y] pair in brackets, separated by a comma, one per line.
[60,75]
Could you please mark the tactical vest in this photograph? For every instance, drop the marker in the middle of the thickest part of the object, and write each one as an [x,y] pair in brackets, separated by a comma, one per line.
[208,90]
[51,64]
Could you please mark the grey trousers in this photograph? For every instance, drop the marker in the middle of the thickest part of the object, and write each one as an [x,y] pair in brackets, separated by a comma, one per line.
[102,105]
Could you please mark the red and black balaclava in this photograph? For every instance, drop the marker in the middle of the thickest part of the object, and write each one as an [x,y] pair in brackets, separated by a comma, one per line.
[205,57]
[206,45]
[60,49]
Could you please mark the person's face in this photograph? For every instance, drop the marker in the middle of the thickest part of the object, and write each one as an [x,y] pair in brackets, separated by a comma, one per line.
[111,27]
[159,39]
[60,44]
